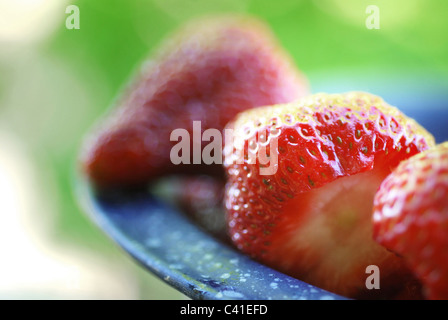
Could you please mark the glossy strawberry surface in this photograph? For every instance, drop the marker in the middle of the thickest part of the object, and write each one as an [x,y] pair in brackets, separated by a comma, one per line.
[208,71]
[411,217]
[311,216]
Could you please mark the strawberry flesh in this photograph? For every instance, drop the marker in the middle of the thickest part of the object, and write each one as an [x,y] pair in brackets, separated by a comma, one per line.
[330,226]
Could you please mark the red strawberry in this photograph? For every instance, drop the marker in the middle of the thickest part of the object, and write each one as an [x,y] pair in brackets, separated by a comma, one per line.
[311,218]
[208,71]
[411,217]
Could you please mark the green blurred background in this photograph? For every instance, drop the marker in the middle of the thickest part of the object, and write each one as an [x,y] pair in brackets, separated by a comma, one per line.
[55,83]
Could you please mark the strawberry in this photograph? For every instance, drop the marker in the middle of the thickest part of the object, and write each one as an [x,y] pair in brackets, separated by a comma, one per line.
[208,71]
[309,213]
[199,197]
[411,217]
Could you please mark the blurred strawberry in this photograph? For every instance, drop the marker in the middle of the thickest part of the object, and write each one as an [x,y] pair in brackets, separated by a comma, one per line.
[208,71]
[200,197]
[411,217]
[310,217]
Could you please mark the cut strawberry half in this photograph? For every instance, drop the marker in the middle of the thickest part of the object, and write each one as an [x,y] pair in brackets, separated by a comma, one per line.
[301,182]
[208,71]
[411,217]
